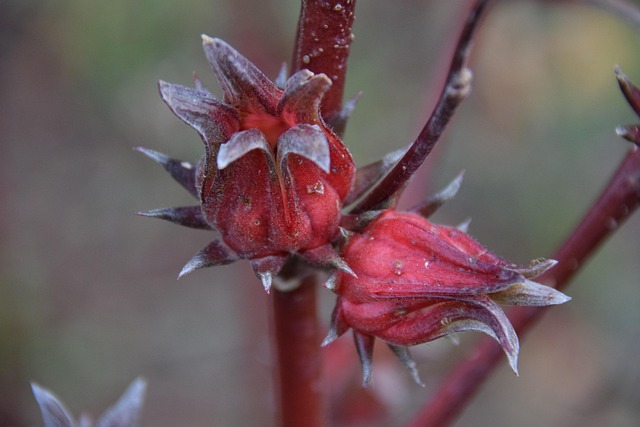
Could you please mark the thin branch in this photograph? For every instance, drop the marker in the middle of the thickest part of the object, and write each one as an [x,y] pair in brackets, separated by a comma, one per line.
[298,346]
[322,45]
[456,88]
[616,203]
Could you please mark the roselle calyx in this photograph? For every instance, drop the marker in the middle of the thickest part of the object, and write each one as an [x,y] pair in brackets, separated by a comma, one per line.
[273,177]
[416,281]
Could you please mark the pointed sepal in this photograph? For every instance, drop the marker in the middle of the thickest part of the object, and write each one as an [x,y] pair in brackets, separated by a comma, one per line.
[308,141]
[631,133]
[215,253]
[240,144]
[303,93]
[183,172]
[213,120]
[267,268]
[364,346]
[433,203]
[464,225]
[338,122]
[499,327]
[243,84]
[54,413]
[530,293]
[187,216]
[337,327]
[325,256]
[367,175]
[332,281]
[629,90]
[199,85]
[281,78]
[536,267]
[405,357]
[126,411]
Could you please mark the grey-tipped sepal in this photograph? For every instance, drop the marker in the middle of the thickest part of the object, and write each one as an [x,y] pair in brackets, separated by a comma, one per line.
[364,346]
[405,357]
[126,411]
[492,321]
[630,132]
[308,141]
[530,293]
[216,253]
[629,90]
[337,327]
[632,93]
[198,108]
[281,78]
[367,175]
[187,216]
[303,93]
[464,225]
[326,257]
[536,268]
[433,203]
[183,172]
[332,335]
[267,268]
[332,281]
[240,144]
[343,236]
[54,413]
[199,85]
[338,122]
[243,84]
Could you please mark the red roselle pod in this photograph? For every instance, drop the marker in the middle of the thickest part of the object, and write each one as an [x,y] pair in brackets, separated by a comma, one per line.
[273,177]
[416,281]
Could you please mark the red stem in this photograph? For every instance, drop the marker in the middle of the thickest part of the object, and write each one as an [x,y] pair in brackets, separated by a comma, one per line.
[322,45]
[616,203]
[299,363]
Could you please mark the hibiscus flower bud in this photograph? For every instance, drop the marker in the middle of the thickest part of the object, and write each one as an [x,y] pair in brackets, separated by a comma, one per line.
[274,176]
[416,281]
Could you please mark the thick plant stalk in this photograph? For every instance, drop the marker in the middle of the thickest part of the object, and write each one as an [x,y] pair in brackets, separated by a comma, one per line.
[617,202]
[299,361]
[322,46]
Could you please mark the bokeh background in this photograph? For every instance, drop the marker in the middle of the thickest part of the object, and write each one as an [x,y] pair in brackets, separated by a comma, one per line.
[88,296]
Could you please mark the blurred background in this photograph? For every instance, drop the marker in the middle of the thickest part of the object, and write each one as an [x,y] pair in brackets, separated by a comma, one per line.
[88,291]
